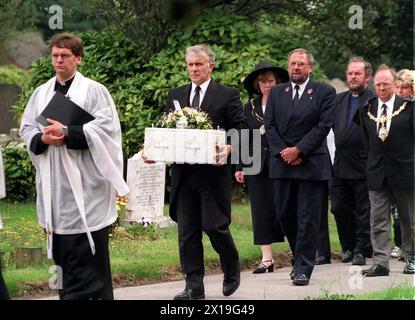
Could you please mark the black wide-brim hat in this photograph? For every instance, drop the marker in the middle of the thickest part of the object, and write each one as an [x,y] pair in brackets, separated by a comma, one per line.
[261,67]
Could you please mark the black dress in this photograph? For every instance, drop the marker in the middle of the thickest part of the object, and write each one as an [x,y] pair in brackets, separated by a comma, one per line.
[266,226]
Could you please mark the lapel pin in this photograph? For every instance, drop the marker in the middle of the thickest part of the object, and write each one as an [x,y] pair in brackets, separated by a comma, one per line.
[310,91]
[287,89]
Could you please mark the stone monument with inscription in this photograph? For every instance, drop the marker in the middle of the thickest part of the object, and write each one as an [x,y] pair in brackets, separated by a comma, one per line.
[146,200]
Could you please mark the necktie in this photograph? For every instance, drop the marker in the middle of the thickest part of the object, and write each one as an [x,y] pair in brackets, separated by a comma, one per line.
[382,129]
[297,96]
[196,98]
[384,113]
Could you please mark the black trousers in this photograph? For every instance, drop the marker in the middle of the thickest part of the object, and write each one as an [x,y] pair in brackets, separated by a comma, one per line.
[197,211]
[351,208]
[299,204]
[84,276]
[323,247]
[4,294]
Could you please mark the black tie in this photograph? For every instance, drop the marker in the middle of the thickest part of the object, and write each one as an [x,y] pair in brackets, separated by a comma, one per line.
[384,113]
[196,98]
[297,96]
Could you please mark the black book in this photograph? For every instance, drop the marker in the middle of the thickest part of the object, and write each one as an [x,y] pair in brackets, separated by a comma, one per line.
[62,109]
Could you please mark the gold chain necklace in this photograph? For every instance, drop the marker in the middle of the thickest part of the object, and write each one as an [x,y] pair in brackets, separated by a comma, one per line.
[254,113]
[383,131]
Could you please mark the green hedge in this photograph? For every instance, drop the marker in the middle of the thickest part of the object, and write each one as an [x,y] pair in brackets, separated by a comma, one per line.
[19,173]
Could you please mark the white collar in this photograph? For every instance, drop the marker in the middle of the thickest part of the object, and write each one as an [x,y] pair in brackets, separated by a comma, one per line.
[203,86]
[389,103]
[302,86]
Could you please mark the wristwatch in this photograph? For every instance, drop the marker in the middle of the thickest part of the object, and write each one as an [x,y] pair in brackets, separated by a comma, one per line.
[64,130]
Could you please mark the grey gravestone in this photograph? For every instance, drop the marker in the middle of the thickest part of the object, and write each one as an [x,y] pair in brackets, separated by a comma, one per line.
[8,96]
[146,199]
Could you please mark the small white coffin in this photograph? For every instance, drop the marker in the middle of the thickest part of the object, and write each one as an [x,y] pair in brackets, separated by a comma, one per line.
[183,145]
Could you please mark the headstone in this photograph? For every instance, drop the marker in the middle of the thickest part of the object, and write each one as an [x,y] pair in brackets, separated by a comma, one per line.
[9,94]
[146,199]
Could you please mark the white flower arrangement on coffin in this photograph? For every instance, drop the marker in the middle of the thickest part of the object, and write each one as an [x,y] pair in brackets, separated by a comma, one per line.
[186,118]
[183,136]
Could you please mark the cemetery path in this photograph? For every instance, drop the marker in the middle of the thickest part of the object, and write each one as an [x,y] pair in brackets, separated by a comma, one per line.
[329,279]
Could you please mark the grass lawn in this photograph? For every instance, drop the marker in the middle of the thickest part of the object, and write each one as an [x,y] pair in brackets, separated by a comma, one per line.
[137,256]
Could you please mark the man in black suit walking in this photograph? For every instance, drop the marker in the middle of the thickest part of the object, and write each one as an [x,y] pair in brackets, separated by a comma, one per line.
[200,198]
[298,119]
[388,124]
[349,193]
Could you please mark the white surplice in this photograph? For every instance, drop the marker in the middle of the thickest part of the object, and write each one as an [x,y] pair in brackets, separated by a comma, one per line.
[76,188]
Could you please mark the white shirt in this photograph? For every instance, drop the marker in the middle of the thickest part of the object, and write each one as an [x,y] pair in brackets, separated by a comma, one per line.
[389,110]
[203,88]
[302,88]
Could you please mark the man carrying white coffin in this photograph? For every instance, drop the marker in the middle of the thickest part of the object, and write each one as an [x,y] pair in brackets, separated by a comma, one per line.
[200,197]
[78,171]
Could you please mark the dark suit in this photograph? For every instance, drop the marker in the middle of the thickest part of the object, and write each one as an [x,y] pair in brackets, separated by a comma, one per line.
[348,188]
[265,224]
[300,191]
[390,174]
[200,198]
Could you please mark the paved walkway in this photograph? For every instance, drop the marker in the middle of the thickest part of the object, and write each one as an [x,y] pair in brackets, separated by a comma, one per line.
[326,279]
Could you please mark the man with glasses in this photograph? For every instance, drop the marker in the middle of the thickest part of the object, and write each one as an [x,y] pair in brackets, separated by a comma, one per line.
[388,124]
[297,120]
[78,171]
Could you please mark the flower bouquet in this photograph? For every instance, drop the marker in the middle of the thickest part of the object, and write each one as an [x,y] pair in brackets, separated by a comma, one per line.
[186,118]
[183,136]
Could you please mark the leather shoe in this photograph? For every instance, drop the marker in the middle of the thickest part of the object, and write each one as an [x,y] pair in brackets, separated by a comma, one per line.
[231,283]
[358,260]
[409,267]
[301,280]
[376,270]
[190,294]
[292,274]
[322,260]
[347,256]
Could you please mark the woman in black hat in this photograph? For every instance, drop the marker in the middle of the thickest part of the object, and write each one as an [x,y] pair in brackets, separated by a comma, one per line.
[266,227]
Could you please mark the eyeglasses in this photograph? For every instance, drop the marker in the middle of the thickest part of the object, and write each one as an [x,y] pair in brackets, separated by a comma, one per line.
[299,64]
[63,56]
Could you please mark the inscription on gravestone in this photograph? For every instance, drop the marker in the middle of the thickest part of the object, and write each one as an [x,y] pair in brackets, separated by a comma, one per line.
[147,183]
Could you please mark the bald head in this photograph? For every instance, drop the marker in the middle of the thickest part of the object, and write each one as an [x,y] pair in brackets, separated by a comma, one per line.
[384,82]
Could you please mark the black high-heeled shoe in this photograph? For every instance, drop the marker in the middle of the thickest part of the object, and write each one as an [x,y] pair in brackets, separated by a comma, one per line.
[262,268]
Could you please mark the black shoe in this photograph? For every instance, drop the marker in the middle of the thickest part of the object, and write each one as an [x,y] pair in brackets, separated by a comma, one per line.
[292,274]
[264,266]
[231,282]
[301,280]
[359,260]
[409,267]
[190,294]
[322,260]
[347,256]
[376,270]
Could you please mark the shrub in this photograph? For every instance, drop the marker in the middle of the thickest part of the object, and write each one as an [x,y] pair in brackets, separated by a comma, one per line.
[19,173]
[10,74]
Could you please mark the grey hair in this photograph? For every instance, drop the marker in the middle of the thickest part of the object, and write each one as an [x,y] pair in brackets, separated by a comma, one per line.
[310,57]
[368,66]
[197,49]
